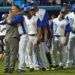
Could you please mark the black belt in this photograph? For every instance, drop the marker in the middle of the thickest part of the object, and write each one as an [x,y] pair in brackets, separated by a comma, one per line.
[21,34]
[32,34]
[56,35]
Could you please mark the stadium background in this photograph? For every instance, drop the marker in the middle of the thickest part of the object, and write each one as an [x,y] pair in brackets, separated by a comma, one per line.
[52,6]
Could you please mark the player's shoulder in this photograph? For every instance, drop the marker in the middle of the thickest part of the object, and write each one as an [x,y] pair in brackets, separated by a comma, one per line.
[25,17]
[64,22]
[70,15]
[55,20]
[19,17]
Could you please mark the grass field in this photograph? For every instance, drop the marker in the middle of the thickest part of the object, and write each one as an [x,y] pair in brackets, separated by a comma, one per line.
[58,72]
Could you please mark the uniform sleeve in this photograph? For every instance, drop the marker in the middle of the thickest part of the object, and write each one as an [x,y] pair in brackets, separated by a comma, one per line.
[39,23]
[68,28]
[16,20]
[51,25]
[70,20]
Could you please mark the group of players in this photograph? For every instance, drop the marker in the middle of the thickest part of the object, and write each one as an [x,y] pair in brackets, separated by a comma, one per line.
[37,41]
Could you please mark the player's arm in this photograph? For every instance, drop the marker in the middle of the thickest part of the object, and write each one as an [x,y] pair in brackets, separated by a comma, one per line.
[39,34]
[67,32]
[50,33]
[16,20]
[46,26]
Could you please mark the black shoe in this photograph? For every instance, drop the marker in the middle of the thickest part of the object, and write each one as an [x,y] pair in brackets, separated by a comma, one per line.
[20,70]
[43,69]
[31,69]
[27,67]
[6,70]
[54,67]
[60,67]
[11,70]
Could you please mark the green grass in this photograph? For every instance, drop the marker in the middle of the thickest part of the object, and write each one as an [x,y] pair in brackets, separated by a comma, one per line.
[57,72]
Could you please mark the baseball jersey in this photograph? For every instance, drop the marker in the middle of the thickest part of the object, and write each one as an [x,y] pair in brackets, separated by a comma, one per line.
[59,27]
[42,18]
[71,20]
[31,25]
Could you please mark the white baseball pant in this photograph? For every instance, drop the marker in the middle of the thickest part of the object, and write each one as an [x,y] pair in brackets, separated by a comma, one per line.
[32,59]
[22,51]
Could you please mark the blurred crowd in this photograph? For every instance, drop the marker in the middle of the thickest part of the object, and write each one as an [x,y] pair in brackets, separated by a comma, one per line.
[51,2]
[40,2]
[5,2]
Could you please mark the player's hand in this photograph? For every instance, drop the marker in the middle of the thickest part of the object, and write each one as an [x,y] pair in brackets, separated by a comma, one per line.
[39,36]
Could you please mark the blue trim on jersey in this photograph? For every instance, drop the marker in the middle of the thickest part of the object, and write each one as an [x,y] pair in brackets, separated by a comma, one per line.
[23,28]
[18,19]
[44,23]
[68,28]
[51,26]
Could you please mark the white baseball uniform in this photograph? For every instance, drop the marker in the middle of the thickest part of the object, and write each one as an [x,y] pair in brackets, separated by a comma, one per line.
[31,26]
[58,51]
[71,47]
[42,59]
[22,45]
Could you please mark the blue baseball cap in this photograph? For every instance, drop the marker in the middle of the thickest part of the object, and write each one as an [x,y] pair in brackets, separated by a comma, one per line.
[28,8]
[24,6]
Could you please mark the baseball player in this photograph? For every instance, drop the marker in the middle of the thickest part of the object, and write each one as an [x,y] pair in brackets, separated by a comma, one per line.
[31,25]
[42,24]
[12,39]
[71,19]
[22,43]
[58,52]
